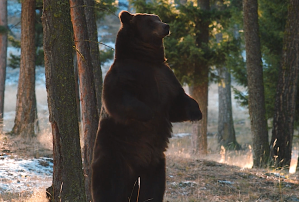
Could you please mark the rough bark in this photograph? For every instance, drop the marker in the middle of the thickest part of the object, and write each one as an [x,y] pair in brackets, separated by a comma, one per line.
[94,50]
[77,87]
[3,53]
[256,98]
[26,111]
[226,130]
[285,101]
[89,113]
[68,179]
[199,128]
[199,88]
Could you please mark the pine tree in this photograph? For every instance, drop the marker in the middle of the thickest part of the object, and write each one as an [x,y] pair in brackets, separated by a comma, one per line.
[68,179]
[87,87]
[25,123]
[3,53]
[256,100]
[285,101]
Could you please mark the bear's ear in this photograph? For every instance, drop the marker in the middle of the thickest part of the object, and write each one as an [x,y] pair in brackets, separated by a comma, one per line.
[125,17]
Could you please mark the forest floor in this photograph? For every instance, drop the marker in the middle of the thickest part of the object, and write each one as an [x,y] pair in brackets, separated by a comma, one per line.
[26,171]
[26,166]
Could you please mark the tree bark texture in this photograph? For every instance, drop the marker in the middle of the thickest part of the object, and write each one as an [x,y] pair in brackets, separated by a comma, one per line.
[285,101]
[226,130]
[68,179]
[199,88]
[77,87]
[256,98]
[3,53]
[199,128]
[94,50]
[26,111]
[89,111]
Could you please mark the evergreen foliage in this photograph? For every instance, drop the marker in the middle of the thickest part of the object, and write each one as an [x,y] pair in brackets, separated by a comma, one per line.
[3,29]
[106,55]
[181,47]
[102,8]
[272,20]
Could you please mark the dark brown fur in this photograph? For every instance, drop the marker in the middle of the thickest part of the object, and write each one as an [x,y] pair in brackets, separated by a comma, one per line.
[141,97]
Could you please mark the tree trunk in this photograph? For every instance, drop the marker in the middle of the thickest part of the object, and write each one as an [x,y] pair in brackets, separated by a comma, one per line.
[77,87]
[199,134]
[26,111]
[226,130]
[285,101]
[256,98]
[199,88]
[94,50]
[89,113]
[3,53]
[68,179]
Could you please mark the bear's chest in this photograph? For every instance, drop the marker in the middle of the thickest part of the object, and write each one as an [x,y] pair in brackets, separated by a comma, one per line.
[155,87]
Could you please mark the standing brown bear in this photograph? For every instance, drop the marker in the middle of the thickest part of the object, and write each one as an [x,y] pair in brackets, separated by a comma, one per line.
[141,97]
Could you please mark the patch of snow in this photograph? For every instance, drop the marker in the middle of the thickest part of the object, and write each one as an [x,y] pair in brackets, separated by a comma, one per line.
[179,135]
[187,184]
[18,175]
[225,182]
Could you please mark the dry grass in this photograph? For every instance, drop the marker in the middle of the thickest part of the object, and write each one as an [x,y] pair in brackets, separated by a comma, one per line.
[190,179]
[38,195]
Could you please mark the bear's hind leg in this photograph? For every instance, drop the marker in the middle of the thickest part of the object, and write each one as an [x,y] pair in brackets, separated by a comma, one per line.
[109,181]
[152,183]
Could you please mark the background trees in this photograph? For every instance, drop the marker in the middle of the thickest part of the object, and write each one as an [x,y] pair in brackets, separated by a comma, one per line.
[199,85]
[256,98]
[226,48]
[92,29]
[90,116]
[3,53]
[285,101]
[26,110]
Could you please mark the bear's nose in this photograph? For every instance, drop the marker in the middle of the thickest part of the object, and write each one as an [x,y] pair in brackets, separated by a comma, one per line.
[166,29]
[166,26]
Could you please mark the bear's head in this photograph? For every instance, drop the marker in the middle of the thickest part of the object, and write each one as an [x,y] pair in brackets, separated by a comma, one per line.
[141,35]
[147,27]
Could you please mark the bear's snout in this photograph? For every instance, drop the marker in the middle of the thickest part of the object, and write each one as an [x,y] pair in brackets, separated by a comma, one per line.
[166,29]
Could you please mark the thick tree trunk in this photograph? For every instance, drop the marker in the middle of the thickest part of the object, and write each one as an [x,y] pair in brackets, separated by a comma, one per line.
[255,85]
[26,110]
[199,134]
[94,50]
[226,130]
[285,102]
[68,179]
[90,115]
[3,53]
[199,88]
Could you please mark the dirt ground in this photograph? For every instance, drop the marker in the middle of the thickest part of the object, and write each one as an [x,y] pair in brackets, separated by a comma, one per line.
[189,179]
[203,180]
